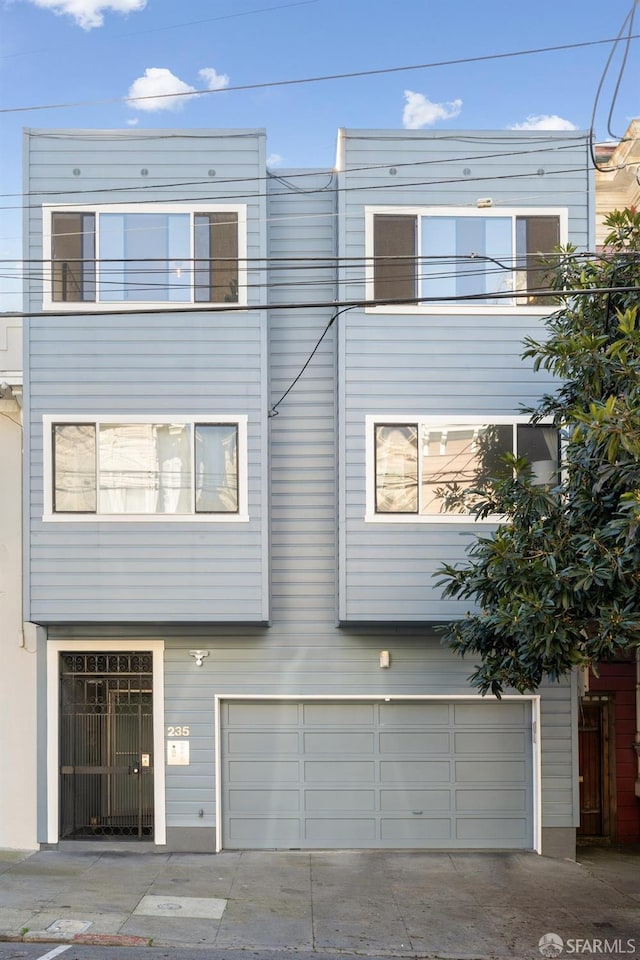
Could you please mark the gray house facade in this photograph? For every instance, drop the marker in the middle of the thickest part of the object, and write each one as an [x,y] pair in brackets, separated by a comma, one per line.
[246,396]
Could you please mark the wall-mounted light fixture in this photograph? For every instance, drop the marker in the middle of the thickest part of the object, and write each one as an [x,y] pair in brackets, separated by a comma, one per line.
[385,659]
[198,656]
[484,202]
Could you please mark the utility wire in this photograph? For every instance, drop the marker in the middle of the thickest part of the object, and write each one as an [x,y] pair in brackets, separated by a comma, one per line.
[322,78]
[363,303]
[175,26]
[273,411]
[622,69]
[630,36]
[403,184]
[417,268]
[270,176]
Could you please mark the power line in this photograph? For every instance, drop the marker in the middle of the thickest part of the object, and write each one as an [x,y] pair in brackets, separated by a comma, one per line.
[363,303]
[270,176]
[224,198]
[630,36]
[322,78]
[273,410]
[186,23]
[449,266]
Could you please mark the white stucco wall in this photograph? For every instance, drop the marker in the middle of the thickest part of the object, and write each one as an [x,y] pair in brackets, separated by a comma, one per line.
[17,663]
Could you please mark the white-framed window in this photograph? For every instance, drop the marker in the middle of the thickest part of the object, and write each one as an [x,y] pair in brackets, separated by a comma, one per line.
[133,468]
[145,254]
[460,259]
[420,468]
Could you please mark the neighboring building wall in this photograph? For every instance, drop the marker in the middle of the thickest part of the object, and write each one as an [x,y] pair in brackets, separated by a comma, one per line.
[17,648]
[618,187]
[618,179]
[618,681]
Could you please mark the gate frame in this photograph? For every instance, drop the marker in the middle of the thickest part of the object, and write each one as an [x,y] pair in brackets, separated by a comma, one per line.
[536,738]
[606,700]
[54,649]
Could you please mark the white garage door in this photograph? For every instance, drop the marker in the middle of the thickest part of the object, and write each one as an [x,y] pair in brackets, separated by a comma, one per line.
[427,775]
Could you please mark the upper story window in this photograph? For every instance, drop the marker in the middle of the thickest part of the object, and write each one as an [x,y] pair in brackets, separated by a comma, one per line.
[492,257]
[150,254]
[423,468]
[121,468]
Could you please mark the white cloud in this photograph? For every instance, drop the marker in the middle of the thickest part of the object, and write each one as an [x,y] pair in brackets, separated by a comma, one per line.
[214,80]
[274,160]
[162,88]
[89,13]
[133,122]
[421,112]
[546,121]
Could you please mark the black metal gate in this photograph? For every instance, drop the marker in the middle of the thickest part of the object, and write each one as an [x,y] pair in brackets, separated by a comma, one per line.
[106,745]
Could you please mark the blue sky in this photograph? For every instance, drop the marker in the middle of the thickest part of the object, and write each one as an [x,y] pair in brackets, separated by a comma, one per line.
[101,51]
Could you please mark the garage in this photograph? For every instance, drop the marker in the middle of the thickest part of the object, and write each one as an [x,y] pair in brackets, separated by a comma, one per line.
[424,774]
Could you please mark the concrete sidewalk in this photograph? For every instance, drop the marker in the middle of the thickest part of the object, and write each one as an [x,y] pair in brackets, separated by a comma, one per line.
[385,903]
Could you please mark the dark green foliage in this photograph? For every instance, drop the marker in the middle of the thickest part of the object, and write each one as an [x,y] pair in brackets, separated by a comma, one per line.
[558,582]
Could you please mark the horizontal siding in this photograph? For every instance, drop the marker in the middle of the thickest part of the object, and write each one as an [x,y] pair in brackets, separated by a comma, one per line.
[433,363]
[163,365]
[308,656]
[303,438]
[303,652]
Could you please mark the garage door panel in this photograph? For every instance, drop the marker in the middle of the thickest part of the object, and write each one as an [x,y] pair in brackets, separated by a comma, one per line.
[273,742]
[419,830]
[341,715]
[340,832]
[483,829]
[414,742]
[490,742]
[340,771]
[490,771]
[275,801]
[403,801]
[420,714]
[511,801]
[257,715]
[503,714]
[336,743]
[273,832]
[262,771]
[415,771]
[348,801]
[415,774]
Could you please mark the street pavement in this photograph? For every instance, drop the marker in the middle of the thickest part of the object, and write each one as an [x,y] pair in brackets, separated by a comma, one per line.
[413,904]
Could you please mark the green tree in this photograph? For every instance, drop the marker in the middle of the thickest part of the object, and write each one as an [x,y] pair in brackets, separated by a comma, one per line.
[557,584]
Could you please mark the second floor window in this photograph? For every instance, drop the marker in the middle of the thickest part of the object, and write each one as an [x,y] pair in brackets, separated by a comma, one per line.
[154,256]
[428,468]
[493,257]
[108,468]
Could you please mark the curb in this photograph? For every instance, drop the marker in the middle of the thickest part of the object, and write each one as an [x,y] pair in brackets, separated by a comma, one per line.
[86,939]
[110,940]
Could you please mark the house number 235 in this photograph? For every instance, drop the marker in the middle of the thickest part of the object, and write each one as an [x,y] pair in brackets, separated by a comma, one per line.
[178,731]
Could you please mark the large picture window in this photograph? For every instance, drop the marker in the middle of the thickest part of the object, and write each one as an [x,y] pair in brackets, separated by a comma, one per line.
[427,468]
[111,468]
[145,255]
[490,257]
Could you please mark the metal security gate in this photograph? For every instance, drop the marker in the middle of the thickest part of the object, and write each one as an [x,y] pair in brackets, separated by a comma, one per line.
[106,746]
